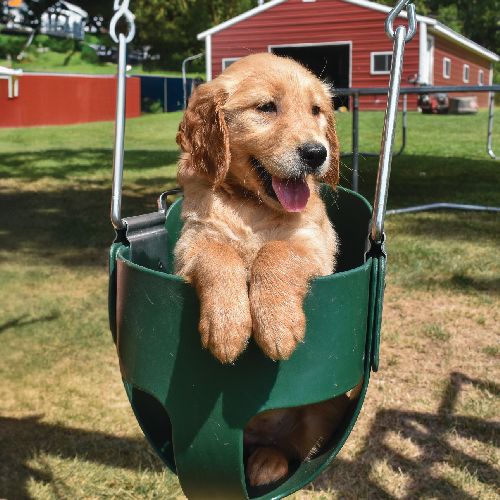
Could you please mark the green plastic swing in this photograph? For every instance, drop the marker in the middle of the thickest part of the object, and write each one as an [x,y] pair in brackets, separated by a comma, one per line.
[193,409]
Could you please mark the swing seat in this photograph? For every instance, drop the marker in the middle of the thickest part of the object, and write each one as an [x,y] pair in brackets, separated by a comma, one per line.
[193,409]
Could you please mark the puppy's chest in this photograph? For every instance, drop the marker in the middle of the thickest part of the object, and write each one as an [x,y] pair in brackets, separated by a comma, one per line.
[248,229]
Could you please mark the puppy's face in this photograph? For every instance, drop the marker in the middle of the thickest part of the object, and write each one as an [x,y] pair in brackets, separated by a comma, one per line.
[271,129]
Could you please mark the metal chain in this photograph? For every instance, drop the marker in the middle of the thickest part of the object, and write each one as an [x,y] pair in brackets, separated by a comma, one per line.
[122,10]
[412,20]
[400,37]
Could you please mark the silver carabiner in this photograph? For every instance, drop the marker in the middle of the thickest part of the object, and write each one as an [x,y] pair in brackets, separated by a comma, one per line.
[122,10]
[412,19]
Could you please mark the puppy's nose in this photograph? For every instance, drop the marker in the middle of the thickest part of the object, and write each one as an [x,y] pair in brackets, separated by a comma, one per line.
[312,154]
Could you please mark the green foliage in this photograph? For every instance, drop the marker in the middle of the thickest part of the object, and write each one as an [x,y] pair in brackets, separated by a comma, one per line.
[476,19]
[151,106]
[61,45]
[89,54]
[170,28]
[11,45]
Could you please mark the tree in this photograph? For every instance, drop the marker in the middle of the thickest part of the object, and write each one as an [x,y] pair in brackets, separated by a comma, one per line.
[475,19]
[170,28]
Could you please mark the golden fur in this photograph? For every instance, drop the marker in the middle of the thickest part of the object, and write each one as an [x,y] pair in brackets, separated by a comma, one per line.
[249,257]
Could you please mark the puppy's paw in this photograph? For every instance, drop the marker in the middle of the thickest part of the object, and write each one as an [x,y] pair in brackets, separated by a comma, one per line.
[225,325]
[266,465]
[278,327]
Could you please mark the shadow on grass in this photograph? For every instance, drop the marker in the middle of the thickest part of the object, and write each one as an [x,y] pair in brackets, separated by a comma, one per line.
[417,179]
[470,284]
[428,432]
[455,225]
[66,163]
[22,439]
[24,320]
[71,225]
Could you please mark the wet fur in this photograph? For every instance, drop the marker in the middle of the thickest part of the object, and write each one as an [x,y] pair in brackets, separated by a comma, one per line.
[248,258]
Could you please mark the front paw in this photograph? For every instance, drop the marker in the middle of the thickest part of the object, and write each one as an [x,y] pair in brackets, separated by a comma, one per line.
[225,325]
[278,326]
[266,465]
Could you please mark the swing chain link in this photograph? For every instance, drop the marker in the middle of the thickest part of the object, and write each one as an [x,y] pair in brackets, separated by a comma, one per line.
[122,10]
[412,20]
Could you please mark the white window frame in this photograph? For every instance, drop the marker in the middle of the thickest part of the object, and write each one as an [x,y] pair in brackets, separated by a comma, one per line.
[372,63]
[446,60]
[466,73]
[228,59]
[480,77]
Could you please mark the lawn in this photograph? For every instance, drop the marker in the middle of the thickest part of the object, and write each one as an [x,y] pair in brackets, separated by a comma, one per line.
[72,62]
[429,428]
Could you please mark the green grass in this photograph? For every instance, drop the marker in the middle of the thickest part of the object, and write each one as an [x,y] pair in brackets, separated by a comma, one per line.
[72,62]
[66,430]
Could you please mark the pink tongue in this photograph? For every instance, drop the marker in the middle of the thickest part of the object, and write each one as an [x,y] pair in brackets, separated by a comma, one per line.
[292,193]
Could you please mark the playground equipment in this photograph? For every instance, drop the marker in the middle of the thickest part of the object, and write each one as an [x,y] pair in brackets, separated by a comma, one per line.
[193,409]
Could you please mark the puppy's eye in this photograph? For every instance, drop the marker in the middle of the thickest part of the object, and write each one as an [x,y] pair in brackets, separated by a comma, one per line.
[268,107]
[316,110]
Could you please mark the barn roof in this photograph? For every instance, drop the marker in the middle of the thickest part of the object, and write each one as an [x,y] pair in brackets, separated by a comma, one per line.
[434,25]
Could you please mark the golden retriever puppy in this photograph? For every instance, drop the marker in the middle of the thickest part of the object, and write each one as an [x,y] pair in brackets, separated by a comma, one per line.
[255,142]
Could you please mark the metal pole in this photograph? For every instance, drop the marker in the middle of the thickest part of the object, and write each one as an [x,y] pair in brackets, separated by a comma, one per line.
[384,166]
[116,197]
[121,11]
[491,112]
[441,206]
[355,141]
[184,79]
[405,125]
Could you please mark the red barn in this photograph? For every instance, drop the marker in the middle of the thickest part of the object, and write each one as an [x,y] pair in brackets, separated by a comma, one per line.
[344,41]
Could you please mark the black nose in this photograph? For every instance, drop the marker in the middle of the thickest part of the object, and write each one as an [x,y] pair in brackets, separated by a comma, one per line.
[312,154]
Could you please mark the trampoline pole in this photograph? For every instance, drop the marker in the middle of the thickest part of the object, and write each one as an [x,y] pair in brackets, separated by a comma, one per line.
[405,125]
[184,78]
[355,141]
[491,112]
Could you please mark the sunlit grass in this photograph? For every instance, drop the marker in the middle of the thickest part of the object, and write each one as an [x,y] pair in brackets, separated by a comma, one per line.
[66,429]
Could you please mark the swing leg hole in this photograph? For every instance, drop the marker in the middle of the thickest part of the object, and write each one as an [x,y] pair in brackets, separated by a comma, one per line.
[316,434]
[155,423]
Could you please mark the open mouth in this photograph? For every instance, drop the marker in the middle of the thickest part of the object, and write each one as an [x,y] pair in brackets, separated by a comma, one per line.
[292,193]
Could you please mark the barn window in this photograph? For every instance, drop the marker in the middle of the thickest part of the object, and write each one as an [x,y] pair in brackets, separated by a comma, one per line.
[446,67]
[466,73]
[480,77]
[227,61]
[380,63]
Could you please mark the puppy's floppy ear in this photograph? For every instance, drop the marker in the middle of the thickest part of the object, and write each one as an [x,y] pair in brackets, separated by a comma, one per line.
[332,174]
[203,134]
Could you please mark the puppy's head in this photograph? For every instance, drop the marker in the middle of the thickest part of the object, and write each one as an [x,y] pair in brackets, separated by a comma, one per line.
[266,124]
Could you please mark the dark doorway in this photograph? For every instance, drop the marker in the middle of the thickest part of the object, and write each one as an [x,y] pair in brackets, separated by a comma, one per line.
[328,62]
